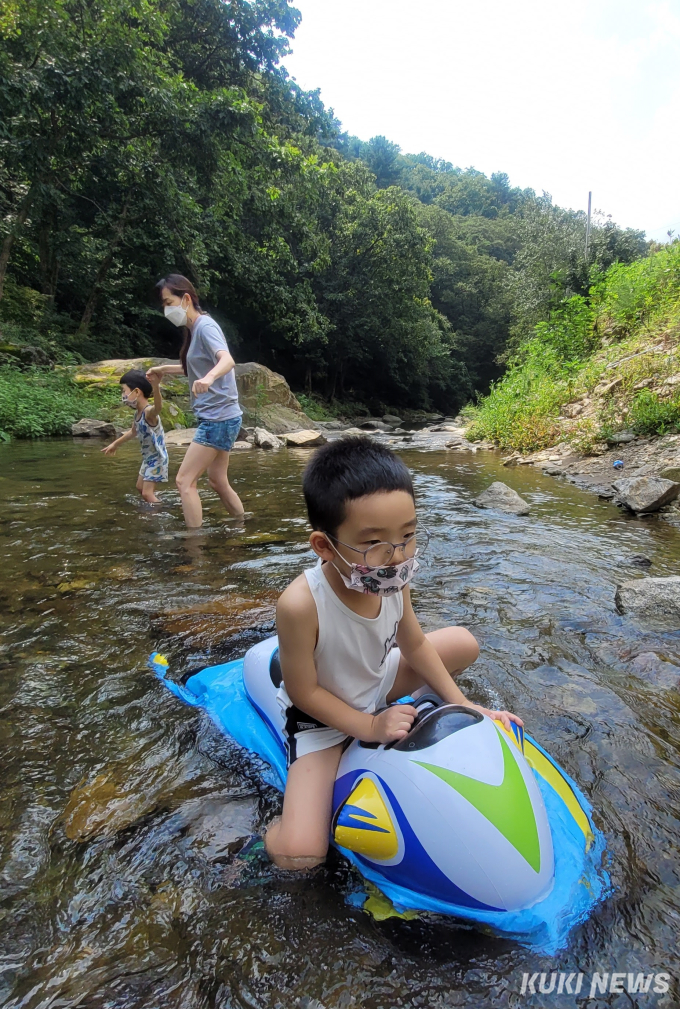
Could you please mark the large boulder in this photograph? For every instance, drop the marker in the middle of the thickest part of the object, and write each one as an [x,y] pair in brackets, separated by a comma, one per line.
[643,494]
[267,401]
[502,498]
[265,396]
[651,596]
[110,372]
[89,428]
[107,374]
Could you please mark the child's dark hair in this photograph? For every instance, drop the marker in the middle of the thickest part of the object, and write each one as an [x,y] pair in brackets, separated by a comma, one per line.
[347,469]
[137,380]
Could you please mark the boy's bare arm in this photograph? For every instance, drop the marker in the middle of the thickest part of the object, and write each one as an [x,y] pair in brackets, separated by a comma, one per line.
[297,625]
[423,657]
[153,412]
[111,449]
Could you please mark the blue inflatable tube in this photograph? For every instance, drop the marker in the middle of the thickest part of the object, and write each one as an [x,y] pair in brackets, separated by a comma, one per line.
[461,819]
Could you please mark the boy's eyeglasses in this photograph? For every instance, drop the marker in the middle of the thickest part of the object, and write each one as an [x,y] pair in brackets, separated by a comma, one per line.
[380,554]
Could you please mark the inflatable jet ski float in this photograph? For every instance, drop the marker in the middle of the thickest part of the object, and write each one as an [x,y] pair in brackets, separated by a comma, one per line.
[460,817]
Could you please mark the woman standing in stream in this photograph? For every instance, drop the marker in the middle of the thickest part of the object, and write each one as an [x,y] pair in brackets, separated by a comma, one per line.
[207,363]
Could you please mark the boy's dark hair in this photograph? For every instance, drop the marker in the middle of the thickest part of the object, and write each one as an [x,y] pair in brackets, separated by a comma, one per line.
[137,380]
[347,469]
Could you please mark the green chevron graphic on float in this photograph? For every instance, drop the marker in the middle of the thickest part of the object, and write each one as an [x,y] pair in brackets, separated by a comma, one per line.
[507,806]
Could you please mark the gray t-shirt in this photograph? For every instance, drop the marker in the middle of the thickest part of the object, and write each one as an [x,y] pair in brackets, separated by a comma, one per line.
[220,402]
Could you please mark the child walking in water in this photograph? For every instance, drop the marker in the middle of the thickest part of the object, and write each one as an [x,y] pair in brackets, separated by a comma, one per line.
[136,392]
[349,641]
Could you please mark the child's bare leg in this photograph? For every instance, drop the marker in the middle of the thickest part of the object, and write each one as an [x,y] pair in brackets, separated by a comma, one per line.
[457,649]
[149,492]
[299,838]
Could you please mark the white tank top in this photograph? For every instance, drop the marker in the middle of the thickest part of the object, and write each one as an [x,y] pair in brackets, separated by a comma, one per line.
[351,651]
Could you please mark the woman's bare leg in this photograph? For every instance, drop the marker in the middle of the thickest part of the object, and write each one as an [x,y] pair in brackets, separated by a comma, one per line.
[218,476]
[457,649]
[195,462]
[299,838]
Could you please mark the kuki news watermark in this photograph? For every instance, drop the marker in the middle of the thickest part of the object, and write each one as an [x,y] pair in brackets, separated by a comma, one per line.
[618,982]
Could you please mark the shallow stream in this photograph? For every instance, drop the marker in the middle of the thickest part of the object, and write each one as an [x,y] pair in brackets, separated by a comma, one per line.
[122,811]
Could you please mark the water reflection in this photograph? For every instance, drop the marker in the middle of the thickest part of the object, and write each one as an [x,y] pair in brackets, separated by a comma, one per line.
[123,812]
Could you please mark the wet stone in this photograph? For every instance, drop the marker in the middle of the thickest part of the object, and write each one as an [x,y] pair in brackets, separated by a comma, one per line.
[304,439]
[88,428]
[650,596]
[265,439]
[502,498]
[643,494]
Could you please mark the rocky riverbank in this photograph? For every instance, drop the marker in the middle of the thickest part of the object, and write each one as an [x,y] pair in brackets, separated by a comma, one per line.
[626,466]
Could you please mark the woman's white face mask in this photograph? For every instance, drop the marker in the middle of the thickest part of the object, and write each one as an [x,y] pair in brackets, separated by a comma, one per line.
[176,314]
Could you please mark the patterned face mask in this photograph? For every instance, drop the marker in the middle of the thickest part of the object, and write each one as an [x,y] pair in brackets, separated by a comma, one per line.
[378,581]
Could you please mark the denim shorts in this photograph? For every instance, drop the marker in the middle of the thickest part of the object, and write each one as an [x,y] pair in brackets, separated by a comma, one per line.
[219,434]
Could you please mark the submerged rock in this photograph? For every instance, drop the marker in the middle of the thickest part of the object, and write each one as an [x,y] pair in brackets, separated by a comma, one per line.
[640,561]
[654,669]
[502,498]
[213,620]
[652,596]
[88,428]
[643,494]
[265,439]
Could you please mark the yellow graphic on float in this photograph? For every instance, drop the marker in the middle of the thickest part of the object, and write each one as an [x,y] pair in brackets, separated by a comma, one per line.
[364,824]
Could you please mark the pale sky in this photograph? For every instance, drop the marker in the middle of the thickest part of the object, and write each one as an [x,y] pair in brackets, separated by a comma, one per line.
[563,96]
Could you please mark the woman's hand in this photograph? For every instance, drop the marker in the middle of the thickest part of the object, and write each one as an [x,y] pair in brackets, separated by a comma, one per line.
[202,384]
[155,374]
[393,723]
[506,717]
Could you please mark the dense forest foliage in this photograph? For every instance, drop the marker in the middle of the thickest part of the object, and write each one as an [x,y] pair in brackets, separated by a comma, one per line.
[165,136]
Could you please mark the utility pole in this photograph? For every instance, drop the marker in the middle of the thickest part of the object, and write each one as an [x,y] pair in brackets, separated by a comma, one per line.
[590,203]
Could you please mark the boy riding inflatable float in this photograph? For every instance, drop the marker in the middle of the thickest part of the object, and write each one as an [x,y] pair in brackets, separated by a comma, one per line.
[461,817]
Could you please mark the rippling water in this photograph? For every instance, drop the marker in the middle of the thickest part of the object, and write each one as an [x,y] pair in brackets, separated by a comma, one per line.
[122,811]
